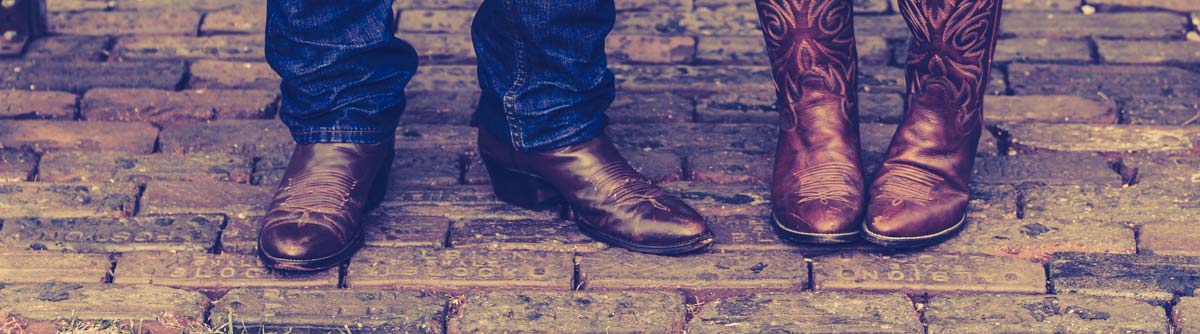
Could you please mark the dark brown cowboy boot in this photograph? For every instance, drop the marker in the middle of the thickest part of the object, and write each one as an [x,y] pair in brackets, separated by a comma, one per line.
[919,196]
[315,220]
[610,201]
[817,187]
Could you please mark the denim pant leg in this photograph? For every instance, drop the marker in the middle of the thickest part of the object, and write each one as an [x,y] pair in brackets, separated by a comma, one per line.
[343,70]
[543,70]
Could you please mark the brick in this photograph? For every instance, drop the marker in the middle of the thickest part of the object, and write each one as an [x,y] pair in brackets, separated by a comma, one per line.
[752,106]
[432,136]
[1042,50]
[211,271]
[444,78]
[690,137]
[444,108]
[441,48]
[729,167]
[140,308]
[995,313]
[808,312]
[650,48]
[76,48]
[1175,5]
[745,233]
[436,4]
[435,21]
[704,78]
[1172,175]
[722,18]
[79,5]
[196,5]
[525,234]
[374,311]
[653,22]
[19,104]
[16,165]
[57,135]
[204,196]
[886,26]
[47,75]
[453,269]
[1148,52]
[1046,5]
[235,21]
[207,73]
[99,235]
[380,230]
[722,199]
[45,266]
[167,22]
[174,108]
[1038,239]
[1158,110]
[60,200]
[425,167]
[657,166]
[729,271]
[244,137]
[1184,314]
[456,202]
[927,273]
[641,108]
[1102,138]
[1092,203]
[1045,169]
[1031,79]
[1156,279]
[652,5]
[229,47]
[875,139]
[570,312]
[751,50]
[1073,25]
[1049,109]
[1168,238]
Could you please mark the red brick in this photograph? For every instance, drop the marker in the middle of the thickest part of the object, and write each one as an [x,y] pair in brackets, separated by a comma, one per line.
[34,74]
[435,21]
[622,270]
[61,200]
[36,104]
[243,137]
[1149,52]
[455,270]
[202,270]
[55,135]
[807,313]
[927,273]
[235,21]
[651,49]
[570,312]
[50,266]
[227,47]
[170,22]
[16,165]
[83,166]
[174,232]
[55,307]
[205,197]
[1074,25]
[143,105]
[207,73]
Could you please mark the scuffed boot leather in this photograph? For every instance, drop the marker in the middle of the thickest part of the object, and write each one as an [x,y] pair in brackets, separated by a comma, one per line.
[817,185]
[920,194]
[315,219]
[609,199]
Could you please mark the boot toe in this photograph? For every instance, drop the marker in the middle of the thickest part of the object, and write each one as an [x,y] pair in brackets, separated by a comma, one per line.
[817,218]
[902,219]
[300,242]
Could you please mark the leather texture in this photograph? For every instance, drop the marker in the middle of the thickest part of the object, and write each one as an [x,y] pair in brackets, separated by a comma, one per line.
[920,194]
[315,219]
[607,197]
[817,184]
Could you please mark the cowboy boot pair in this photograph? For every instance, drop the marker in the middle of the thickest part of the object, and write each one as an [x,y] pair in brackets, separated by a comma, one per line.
[919,196]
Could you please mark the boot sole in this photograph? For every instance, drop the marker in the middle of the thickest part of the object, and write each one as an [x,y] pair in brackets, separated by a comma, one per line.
[813,238]
[914,242]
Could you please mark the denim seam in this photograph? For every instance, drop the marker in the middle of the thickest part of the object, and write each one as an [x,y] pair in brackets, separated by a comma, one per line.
[517,137]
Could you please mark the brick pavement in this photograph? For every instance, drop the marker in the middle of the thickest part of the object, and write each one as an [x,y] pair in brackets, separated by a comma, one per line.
[138,147]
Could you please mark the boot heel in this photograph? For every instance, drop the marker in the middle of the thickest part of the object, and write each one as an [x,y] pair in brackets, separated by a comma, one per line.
[520,189]
[379,188]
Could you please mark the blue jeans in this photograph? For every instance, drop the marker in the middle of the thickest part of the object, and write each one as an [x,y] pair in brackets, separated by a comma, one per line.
[542,69]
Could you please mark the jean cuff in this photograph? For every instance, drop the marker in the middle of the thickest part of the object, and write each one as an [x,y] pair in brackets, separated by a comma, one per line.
[343,135]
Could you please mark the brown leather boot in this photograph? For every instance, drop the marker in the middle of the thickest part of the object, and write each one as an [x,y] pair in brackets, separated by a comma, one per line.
[919,196]
[817,187]
[611,202]
[315,220]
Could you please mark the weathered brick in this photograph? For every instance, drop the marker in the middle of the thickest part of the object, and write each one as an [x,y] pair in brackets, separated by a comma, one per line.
[60,200]
[651,5]
[1048,108]
[1103,138]
[1047,5]
[166,22]
[444,78]
[1074,25]
[425,167]
[230,47]
[1031,79]
[57,135]
[172,232]
[1159,110]
[751,50]
[876,138]
[20,266]
[570,312]
[641,108]
[380,230]
[526,234]
[325,311]
[996,313]
[927,273]
[1148,52]
[456,202]
[744,233]
[453,269]
[435,21]
[235,21]
[1156,279]
[653,22]
[685,138]
[245,137]
[722,18]
[441,48]
[195,5]
[204,197]
[729,167]
[1175,5]
[1184,315]
[753,106]
[829,312]
[886,26]
[78,5]
[69,48]
[1170,175]
[1042,50]
[16,165]
[134,308]
[434,107]
[1045,169]
[722,199]
[1038,239]
[651,49]
[22,104]
[207,73]
[174,108]
[704,78]
[434,136]
[1092,204]
[1168,238]
[48,75]
[203,270]
[617,269]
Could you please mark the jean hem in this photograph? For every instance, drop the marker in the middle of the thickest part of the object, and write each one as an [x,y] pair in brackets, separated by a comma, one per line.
[336,135]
